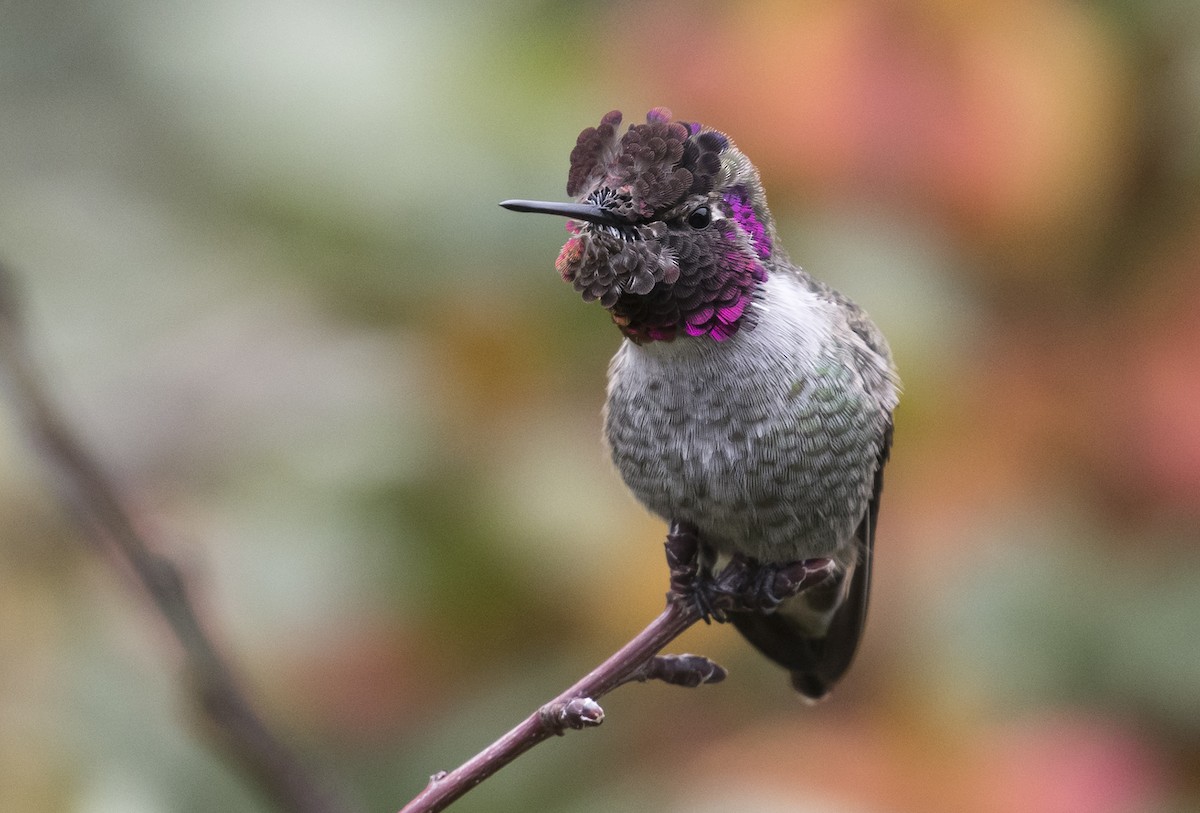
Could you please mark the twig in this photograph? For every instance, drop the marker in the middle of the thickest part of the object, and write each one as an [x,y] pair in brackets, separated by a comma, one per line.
[560,713]
[244,737]
[735,589]
[679,670]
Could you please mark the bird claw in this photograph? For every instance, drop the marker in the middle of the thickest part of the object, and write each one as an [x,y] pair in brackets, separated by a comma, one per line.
[743,585]
[775,583]
[683,556]
[683,560]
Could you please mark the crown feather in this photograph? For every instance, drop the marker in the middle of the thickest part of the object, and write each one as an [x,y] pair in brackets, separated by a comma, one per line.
[659,278]
[653,166]
[592,149]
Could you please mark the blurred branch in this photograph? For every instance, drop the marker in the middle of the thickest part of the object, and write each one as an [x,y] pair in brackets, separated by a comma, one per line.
[574,708]
[240,731]
[691,599]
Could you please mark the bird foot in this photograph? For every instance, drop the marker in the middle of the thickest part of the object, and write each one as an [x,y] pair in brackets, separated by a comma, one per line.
[775,583]
[743,585]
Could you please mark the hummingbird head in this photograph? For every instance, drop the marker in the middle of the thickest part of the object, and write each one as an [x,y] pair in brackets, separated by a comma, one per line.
[670,230]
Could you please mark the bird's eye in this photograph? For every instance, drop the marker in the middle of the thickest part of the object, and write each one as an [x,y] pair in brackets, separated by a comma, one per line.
[700,217]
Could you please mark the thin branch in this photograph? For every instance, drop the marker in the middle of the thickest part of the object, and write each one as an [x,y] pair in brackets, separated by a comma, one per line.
[739,587]
[244,737]
[554,717]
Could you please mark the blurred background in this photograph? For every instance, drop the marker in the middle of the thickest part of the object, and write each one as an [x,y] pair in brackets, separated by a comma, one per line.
[268,280]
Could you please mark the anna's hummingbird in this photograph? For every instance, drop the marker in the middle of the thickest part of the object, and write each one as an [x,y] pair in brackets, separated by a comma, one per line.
[749,401]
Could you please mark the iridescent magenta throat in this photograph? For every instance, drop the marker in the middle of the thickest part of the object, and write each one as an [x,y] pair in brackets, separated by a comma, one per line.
[716,305]
[744,216]
[722,319]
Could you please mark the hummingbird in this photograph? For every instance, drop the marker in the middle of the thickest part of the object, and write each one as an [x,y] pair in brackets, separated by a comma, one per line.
[748,401]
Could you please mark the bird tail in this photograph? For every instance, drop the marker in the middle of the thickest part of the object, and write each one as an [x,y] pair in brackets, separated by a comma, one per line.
[815,634]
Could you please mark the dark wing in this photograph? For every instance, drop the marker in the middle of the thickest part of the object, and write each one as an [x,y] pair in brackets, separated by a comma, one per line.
[817,662]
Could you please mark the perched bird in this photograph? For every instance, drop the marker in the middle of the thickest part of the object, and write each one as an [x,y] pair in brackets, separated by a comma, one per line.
[748,400]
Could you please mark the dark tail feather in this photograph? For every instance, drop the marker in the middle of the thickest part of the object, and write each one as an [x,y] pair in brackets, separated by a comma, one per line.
[786,636]
[834,653]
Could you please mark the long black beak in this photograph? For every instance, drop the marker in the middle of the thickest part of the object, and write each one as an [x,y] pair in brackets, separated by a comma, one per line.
[575,211]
